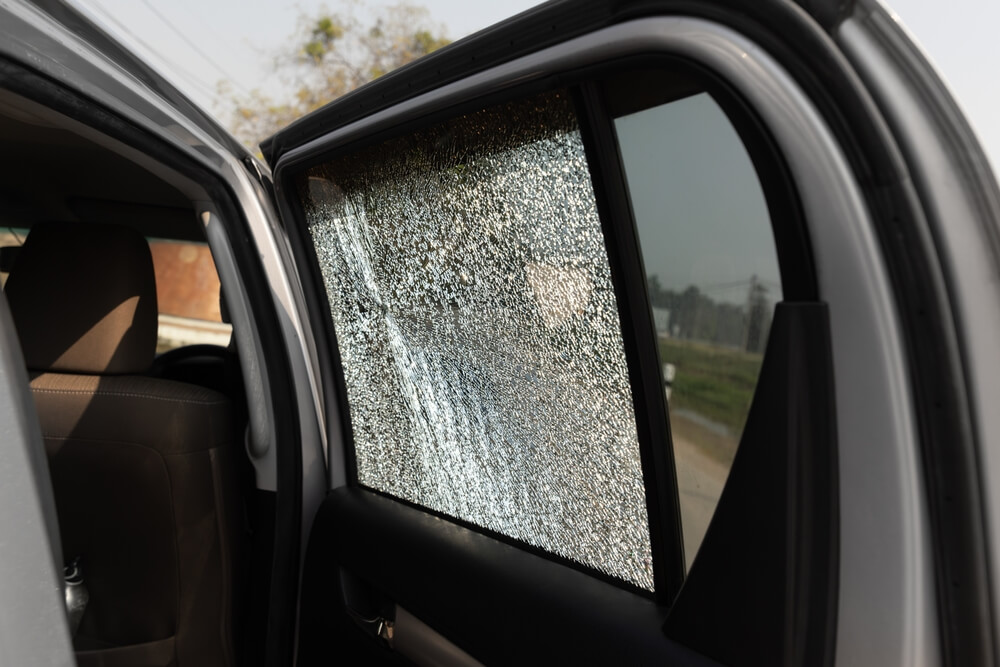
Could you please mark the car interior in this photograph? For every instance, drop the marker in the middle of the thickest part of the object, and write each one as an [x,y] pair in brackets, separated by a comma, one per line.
[153,490]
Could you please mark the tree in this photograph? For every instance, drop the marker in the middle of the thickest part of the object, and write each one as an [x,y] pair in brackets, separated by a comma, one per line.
[758,317]
[335,53]
[693,315]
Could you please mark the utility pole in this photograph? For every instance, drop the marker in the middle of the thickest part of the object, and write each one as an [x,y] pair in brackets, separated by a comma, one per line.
[756,312]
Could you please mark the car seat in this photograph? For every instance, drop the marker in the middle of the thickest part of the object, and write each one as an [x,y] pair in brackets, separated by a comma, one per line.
[142,468]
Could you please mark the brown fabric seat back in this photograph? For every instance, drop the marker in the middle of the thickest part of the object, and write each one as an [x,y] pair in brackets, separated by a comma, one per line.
[83,298]
[142,468]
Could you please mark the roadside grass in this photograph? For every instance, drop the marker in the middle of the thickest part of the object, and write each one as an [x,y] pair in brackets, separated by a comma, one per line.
[717,383]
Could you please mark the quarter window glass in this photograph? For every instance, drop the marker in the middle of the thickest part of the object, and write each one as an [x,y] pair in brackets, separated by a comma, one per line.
[479,334]
[713,279]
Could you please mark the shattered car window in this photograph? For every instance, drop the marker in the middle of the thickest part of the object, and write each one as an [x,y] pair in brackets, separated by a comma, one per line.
[479,334]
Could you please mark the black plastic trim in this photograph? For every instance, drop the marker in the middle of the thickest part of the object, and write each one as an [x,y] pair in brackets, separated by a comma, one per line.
[828,13]
[763,587]
[639,337]
[497,602]
[515,543]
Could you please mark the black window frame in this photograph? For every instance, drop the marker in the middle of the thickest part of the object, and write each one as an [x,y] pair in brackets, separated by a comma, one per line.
[792,249]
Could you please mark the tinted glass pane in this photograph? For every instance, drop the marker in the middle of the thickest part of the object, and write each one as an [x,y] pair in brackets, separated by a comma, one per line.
[471,296]
[713,280]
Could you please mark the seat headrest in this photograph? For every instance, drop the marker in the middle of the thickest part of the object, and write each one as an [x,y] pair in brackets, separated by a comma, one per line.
[83,299]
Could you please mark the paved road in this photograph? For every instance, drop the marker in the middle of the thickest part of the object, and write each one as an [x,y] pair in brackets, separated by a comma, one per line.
[700,480]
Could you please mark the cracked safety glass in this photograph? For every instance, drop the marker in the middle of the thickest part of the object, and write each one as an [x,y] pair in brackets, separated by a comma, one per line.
[479,335]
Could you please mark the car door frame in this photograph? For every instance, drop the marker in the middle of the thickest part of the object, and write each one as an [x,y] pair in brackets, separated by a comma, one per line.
[54,55]
[849,201]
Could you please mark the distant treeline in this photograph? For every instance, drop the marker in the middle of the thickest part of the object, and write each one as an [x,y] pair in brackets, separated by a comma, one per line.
[696,316]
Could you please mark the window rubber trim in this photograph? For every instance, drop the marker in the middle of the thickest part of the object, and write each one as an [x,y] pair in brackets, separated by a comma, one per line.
[621,239]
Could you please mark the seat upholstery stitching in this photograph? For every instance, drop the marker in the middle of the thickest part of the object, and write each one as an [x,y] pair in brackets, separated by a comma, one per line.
[49,436]
[97,392]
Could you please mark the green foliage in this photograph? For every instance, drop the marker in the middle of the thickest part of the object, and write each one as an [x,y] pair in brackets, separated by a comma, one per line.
[335,53]
[425,42]
[327,30]
[714,382]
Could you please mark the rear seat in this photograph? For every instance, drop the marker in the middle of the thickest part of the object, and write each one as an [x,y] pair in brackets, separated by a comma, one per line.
[142,468]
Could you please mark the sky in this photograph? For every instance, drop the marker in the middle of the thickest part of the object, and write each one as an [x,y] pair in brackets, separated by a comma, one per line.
[204,41]
[702,220]
[197,43]
[239,40]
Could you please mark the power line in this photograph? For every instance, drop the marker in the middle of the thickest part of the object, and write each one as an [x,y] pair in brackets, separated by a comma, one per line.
[172,66]
[721,286]
[193,45]
[738,283]
[200,18]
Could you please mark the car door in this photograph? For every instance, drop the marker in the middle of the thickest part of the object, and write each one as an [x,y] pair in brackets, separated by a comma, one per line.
[642,339]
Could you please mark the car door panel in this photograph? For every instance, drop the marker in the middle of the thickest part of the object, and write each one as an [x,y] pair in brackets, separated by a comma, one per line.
[434,565]
[419,569]
[501,603]
[747,599]
[853,523]
[497,602]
